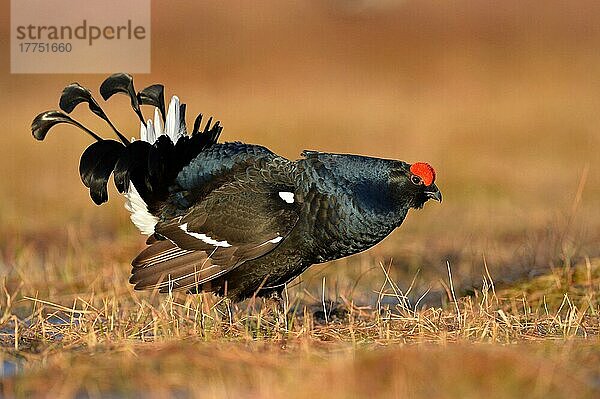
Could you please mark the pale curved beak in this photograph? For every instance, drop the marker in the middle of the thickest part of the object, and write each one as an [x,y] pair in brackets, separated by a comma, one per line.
[434,193]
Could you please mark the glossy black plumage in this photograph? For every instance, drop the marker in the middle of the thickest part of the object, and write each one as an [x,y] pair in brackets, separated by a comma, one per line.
[235,218]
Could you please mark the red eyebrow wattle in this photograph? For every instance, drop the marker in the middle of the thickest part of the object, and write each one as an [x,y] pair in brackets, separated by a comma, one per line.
[424,171]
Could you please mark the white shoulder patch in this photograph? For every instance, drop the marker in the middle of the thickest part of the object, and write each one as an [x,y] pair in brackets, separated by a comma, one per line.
[287,196]
[140,216]
[204,237]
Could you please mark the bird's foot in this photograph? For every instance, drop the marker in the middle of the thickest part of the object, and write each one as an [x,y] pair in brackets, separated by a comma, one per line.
[277,305]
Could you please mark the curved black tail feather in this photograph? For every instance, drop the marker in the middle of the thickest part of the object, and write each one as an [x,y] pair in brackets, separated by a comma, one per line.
[122,83]
[43,122]
[151,166]
[75,94]
[154,95]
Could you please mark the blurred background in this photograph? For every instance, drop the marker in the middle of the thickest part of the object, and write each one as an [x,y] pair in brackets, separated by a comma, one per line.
[501,97]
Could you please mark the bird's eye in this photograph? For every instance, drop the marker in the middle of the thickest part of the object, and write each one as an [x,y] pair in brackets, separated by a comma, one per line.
[416,180]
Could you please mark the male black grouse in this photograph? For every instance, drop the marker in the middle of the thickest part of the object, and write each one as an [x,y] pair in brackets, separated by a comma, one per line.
[234,218]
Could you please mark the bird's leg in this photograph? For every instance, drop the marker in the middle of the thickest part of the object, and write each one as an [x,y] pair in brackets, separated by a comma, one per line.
[275,298]
[223,309]
[278,305]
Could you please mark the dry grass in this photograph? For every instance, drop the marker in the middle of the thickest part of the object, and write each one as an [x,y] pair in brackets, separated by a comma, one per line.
[502,99]
[530,339]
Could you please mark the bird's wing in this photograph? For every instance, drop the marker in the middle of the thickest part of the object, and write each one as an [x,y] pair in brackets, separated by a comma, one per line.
[242,219]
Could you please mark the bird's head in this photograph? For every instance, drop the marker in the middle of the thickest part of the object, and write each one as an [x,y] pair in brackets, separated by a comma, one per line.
[414,184]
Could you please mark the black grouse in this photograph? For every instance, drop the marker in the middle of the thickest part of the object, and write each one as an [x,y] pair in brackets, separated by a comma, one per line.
[234,218]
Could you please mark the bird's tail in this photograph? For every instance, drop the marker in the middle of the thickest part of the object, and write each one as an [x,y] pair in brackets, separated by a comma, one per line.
[147,166]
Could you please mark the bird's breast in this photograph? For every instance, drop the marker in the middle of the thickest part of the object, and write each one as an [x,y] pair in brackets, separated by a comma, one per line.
[337,226]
